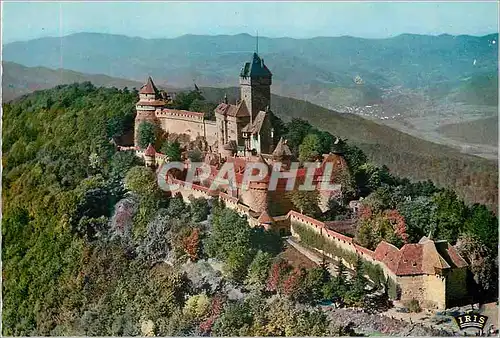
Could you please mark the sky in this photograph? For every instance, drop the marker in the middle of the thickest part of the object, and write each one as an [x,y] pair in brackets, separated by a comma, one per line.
[29,20]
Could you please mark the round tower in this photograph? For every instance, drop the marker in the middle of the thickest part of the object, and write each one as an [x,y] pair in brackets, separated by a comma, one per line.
[150,99]
[256,196]
[150,156]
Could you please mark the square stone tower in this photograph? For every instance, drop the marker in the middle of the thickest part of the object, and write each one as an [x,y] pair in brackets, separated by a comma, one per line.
[255,86]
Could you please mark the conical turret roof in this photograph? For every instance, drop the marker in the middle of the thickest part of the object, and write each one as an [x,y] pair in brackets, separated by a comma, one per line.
[149,87]
[264,218]
[282,149]
[150,150]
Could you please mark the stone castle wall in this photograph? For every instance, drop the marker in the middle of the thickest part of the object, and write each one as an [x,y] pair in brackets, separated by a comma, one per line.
[189,123]
[432,291]
[429,290]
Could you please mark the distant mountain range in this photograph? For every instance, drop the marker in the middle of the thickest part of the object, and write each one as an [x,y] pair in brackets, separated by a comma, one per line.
[331,71]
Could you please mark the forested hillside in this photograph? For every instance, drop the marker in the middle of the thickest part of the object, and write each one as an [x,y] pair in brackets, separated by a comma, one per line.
[18,80]
[91,245]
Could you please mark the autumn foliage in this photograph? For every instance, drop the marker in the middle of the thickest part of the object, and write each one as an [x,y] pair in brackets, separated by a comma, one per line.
[387,225]
[191,244]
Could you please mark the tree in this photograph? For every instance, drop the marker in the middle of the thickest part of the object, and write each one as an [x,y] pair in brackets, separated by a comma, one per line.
[177,208]
[146,134]
[418,214]
[306,201]
[279,128]
[279,270]
[355,294]
[309,149]
[258,271]
[156,245]
[354,156]
[184,100]
[199,209]
[335,211]
[197,306]
[172,150]
[314,282]
[292,285]
[483,264]
[192,244]
[195,155]
[482,223]
[326,141]
[122,162]
[229,231]
[141,181]
[234,319]
[297,131]
[236,263]
[449,216]
[388,225]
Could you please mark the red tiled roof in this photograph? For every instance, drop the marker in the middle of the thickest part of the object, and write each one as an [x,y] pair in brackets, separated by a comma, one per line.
[150,151]
[239,110]
[155,103]
[411,260]
[425,257]
[450,254]
[149,87]
[265,218]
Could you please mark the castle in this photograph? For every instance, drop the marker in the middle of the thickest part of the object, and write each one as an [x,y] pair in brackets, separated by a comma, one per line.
[240,128]
[242,133]
[431,272]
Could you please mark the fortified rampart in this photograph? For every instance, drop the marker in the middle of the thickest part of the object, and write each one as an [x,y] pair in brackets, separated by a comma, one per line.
[430,272]
[187,122]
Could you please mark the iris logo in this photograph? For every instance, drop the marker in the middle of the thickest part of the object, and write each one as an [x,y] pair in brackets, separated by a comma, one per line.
[471,320]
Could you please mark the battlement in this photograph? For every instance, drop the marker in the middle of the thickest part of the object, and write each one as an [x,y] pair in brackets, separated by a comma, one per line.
[180,114]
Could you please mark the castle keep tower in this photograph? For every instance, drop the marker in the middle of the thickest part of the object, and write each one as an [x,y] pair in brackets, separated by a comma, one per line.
[149,99]
[255,86]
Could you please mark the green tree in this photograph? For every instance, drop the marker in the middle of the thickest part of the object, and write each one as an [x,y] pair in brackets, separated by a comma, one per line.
[177,208]
[483,223]
[237,262]
[141,181]
[297,131]
[305,201]
[313,285]
[309,149]
[326,141]
[199,209]
[418,214]
[449,216]
[233,321]
[197,306]
[122,162]
[195,155]
[147,134]
[172,150]
[258,271]
[230,232]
